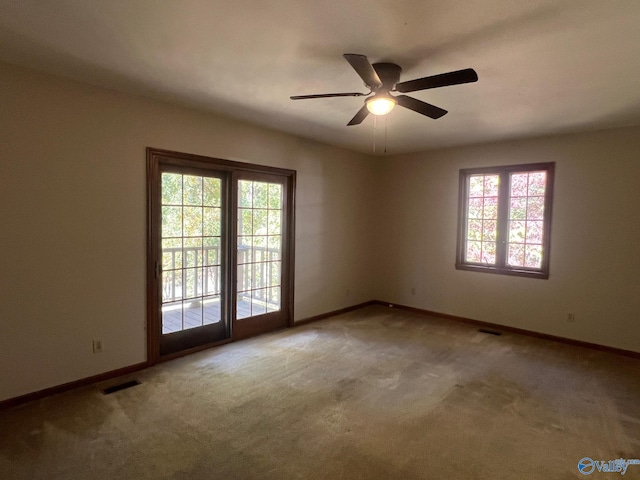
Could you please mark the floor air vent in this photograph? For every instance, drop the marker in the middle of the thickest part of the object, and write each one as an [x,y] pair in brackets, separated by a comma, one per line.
[120,386]
[490,332]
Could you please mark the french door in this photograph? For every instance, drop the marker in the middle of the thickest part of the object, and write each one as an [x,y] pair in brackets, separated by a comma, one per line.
[220,251]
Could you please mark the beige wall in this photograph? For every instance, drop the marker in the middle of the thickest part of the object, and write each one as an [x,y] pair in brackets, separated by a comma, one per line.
[595,256]
[72,227]
[72,221]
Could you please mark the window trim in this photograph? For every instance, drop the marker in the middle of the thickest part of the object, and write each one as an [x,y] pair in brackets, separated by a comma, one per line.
[503,205]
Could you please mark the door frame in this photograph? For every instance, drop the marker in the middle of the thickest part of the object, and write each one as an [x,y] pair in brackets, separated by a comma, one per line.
[157,157]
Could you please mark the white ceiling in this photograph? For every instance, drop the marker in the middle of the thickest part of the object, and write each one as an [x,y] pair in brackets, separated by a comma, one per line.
[544,66]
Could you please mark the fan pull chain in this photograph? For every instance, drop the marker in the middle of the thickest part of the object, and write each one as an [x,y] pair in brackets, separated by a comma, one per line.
[386,123]
[375,132]
[375,125]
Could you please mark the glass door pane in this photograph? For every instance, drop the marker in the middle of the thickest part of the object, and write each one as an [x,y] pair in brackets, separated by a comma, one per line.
[191,242]
[259,254]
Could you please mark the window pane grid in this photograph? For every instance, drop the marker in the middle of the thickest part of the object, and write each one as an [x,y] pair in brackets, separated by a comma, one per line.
[526,219]
[482,227]
[259,248]
[190,239]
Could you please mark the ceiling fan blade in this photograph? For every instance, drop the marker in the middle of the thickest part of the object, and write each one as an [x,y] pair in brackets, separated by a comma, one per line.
[328,95]
[363,68]
[467,75]
[421,107]
[360,116]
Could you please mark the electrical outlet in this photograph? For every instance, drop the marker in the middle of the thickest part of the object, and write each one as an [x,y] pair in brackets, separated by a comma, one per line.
[97,346]
[571,317]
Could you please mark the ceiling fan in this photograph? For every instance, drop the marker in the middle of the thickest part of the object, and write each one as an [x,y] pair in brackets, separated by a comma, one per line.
[383,78]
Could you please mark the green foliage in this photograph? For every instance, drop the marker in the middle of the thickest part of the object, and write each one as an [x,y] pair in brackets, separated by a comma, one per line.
[192,227]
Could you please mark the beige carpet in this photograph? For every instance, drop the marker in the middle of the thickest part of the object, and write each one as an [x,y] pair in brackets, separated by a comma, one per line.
[374,394]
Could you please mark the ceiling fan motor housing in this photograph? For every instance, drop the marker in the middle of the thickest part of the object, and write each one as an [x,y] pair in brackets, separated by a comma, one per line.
[389,74]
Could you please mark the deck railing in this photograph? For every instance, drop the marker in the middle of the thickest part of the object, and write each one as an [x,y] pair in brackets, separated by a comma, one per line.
[201,277]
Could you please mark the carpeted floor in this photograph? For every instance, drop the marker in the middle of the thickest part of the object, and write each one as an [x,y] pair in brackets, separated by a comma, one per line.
[374,394]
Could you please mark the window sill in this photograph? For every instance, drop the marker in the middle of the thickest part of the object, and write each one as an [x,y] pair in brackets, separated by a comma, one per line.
[503,271]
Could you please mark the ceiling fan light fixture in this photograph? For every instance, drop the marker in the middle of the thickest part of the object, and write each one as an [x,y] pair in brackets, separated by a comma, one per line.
[382,78]
[381,104]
